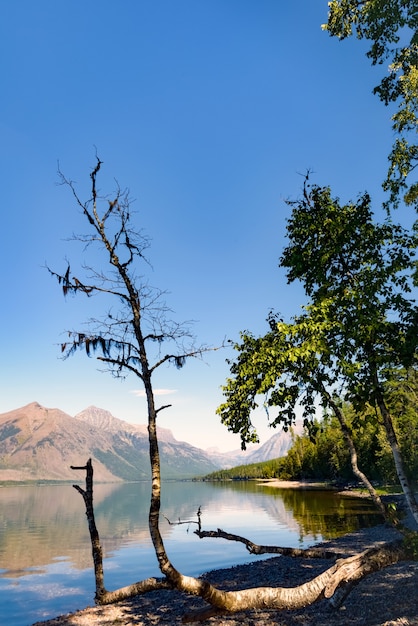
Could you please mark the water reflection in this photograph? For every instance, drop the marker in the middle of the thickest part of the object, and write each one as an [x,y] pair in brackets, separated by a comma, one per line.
[39,525]
[328,515]
[45,554]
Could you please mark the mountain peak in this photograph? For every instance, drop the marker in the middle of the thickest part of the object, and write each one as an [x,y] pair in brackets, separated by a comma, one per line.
[37,443]
[100,418]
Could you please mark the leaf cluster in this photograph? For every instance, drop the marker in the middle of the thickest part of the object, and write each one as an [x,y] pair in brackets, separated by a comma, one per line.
[358,328]
[392,28]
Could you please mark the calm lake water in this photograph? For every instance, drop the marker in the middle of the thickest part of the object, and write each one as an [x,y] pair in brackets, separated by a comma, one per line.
[45,554]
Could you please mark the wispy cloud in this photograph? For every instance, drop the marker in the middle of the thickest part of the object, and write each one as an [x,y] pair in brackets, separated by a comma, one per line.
[157,392]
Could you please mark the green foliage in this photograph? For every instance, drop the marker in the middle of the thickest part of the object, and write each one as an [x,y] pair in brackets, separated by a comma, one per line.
[327,457]
[391,26]
[262,470]
[357,331]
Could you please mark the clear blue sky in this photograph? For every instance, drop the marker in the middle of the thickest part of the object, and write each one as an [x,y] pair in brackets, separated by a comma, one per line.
[209,111]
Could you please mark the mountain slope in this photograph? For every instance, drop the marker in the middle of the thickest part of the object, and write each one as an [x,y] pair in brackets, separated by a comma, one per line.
[37,443]
[178,459]
[40,444]
[273,448]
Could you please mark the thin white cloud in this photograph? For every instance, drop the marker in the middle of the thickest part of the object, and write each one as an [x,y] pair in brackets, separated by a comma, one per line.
[157,392]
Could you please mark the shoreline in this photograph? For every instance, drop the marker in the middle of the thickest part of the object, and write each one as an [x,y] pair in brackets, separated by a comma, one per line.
[384,598]
[296,484]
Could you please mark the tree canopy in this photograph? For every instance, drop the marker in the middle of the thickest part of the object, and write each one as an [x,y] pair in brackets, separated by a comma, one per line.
[357,330]
[391,27]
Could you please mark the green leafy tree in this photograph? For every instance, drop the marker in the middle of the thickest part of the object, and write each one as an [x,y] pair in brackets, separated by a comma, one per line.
[359,327]
[391,27]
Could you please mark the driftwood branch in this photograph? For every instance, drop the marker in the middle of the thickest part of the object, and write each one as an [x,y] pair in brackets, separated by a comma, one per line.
[198,521]
[253,548]
[345,572]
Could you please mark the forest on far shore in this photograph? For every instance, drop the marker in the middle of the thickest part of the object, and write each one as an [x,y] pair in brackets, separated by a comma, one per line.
[321,451]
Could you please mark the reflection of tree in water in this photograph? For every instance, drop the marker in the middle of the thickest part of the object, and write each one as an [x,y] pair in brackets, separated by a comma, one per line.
[328,514]
[40,524]
[315,512]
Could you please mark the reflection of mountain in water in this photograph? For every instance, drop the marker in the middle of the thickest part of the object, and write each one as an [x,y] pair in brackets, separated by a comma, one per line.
[40,524]
[43,523]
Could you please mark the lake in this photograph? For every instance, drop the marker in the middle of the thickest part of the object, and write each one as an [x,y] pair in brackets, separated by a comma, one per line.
[45,554]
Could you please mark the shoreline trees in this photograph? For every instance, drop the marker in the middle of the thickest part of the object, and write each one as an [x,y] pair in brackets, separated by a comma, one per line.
[357,330]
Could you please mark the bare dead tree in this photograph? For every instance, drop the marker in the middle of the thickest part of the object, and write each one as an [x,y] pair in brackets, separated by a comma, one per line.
[121,340]
[102,595]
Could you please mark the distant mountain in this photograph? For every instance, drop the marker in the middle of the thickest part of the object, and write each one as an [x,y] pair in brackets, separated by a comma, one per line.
[275,447]
[104,420]
[40,444]
[37,443]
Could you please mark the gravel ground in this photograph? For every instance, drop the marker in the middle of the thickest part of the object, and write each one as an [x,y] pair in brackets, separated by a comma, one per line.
[388,597]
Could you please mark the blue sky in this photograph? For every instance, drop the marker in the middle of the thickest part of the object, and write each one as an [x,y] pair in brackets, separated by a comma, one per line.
[210,111]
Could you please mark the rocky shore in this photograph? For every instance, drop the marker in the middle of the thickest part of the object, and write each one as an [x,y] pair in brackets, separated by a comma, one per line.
[388,597]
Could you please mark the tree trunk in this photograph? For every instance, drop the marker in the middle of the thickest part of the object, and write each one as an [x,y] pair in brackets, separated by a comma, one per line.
[166,568]
[354,464]
[397,456]
[349,570]
[96,547]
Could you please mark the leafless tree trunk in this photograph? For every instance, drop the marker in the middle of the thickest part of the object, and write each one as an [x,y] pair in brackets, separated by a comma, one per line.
[102,596]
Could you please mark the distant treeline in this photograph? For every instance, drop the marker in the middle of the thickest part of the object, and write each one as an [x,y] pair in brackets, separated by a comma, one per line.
[263,469]
[323,454]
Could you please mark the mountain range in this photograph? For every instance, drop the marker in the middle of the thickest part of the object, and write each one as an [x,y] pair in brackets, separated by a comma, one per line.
[38,443]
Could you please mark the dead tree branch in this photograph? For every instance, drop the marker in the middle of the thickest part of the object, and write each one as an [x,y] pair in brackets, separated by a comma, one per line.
[102,596]
[253,548]
[198,521]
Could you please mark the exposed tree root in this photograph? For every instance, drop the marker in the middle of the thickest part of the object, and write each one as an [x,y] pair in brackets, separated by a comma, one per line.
[136,589]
